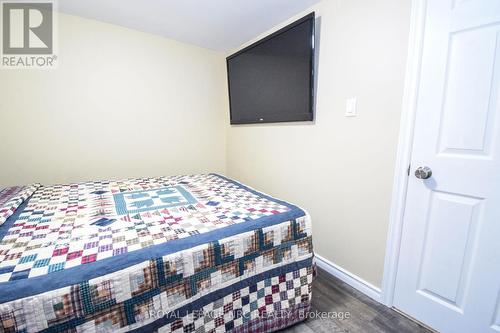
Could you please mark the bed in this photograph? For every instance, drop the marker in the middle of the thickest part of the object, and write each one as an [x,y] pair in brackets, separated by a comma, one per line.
[197,253]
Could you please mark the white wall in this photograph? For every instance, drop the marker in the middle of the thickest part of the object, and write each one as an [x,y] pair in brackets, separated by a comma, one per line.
[121,103]
[340,169]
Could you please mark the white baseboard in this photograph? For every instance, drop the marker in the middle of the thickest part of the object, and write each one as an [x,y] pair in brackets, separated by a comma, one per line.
[351,279]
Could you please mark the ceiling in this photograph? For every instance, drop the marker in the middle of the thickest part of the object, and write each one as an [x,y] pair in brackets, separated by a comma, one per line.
[220,25]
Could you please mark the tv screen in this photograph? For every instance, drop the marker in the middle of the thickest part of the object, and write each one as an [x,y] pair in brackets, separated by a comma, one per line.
[272,79]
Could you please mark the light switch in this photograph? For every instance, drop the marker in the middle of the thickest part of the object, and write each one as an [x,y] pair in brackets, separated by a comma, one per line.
[350,107]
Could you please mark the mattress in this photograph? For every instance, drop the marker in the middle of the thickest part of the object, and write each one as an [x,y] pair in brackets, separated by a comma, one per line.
[198,253]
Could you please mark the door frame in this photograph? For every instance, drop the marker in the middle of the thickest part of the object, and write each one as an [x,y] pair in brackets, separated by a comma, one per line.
[404,151]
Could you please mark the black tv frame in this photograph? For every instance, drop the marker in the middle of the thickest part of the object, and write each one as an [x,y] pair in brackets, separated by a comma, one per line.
[303,117]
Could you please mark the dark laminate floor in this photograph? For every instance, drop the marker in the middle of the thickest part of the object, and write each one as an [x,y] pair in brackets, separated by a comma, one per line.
[332,295]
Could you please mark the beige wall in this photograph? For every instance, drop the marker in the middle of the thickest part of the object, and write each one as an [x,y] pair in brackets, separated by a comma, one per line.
[340,169]
[121,103]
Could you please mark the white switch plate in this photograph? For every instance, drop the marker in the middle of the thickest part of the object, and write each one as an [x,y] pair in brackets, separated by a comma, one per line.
[350,107]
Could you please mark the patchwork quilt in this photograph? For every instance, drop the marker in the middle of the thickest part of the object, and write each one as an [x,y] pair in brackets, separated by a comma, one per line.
[12,197]
[199,253]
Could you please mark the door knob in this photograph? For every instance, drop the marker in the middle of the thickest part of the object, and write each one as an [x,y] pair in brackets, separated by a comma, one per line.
[423,172]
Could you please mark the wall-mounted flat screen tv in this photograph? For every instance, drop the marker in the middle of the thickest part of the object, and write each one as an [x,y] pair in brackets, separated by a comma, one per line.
[272,80]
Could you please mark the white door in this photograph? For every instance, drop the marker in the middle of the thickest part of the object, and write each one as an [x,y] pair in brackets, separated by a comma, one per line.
[449,266]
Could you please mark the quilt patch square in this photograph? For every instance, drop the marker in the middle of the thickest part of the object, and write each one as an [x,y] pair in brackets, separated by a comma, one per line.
[109,321]
[19,275]
[63,307]
[147,200]
[9,321]
[101,292]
